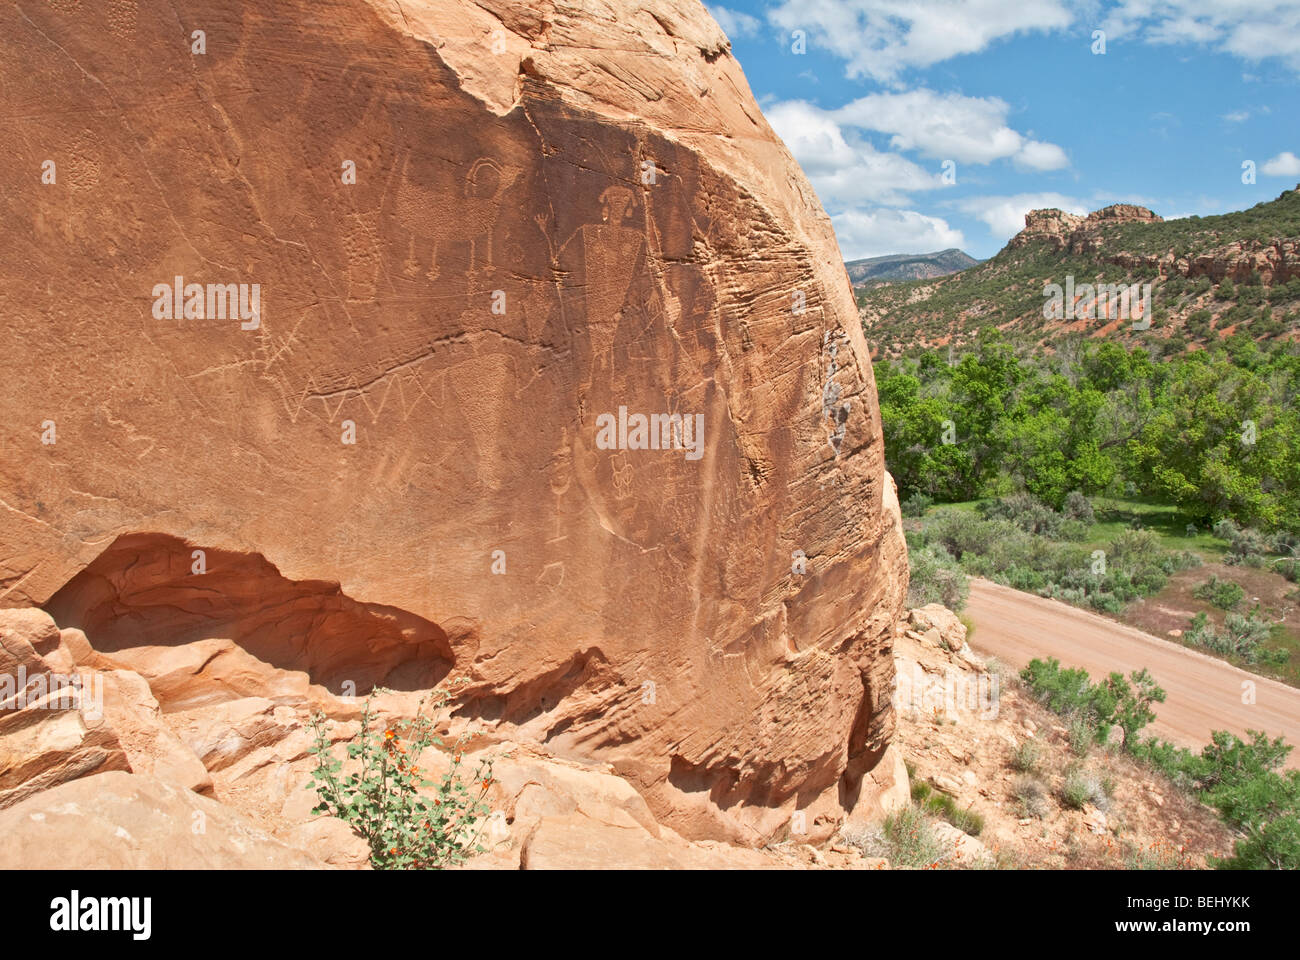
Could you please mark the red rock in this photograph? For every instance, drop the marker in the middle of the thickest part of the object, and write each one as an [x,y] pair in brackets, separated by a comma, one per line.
[126,821]
[52,725]
[651,613]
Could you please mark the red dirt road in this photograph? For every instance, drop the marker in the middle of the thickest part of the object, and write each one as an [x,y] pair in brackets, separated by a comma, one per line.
[1204,693]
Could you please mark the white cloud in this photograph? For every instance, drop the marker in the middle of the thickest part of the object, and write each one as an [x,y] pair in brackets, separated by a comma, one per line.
[1254,30]
[845,169]
[949,126]
[1005,216]
[1285,164]
[1237,116]
[881,38]
[735,23]
[1035,155]
[876,233]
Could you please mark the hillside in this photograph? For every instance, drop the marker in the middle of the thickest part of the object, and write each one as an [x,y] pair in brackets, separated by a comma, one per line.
[1210,277]
[904,266]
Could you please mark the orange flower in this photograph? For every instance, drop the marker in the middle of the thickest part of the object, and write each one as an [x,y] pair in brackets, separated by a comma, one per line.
[487,783]
[390,734]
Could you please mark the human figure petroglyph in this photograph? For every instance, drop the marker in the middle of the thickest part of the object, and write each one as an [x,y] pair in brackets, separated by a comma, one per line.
[612,255]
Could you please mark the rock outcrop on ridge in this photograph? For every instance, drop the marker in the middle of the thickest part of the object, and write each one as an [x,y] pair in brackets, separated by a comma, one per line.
[332,332]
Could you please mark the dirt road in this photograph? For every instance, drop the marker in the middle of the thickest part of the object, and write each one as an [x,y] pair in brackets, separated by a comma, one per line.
[1204,694]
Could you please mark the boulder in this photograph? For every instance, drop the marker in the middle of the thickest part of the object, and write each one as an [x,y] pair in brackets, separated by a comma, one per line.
[354,379]
[126,821]
[939,626]
[150,746]
[52,724]
[959,847]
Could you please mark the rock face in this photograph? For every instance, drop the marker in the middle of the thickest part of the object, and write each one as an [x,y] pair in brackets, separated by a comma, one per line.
[1062,229]
[470,246]
[52,723]
[125,821]
[1273,261]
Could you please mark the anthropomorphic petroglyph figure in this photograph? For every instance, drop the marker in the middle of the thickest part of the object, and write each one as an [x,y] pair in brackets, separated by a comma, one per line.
[611,255]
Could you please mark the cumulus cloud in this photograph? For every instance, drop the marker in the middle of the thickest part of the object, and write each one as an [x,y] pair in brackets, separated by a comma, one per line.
[1254,30]
[945,126]
[844,168]
[877,233]
[1285,164]
[1034,155]
[735,23]
[1005,216]
[881,38]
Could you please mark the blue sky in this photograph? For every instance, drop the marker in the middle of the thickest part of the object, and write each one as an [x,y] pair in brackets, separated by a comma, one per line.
[1011,94]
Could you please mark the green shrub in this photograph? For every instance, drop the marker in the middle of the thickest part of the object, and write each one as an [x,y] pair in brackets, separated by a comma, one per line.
[965,819]
[1081,734]
[945,807]
[1241,636]
[1246,545]
[1026,511]
[916,505]
[910,840]
[1223,594]
[1078,507]
[936,578]
[1245,781]
[1032,799]
[1027,756]
[409,820]
[1080,788]
[1115,700]
[960,532]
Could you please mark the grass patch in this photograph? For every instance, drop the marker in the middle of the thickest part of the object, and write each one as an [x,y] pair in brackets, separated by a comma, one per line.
[939,804]
[1081,788]
[1027,758]
[1032,797]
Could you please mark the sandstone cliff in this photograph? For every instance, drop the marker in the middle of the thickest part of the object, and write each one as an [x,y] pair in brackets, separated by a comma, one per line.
[466,236]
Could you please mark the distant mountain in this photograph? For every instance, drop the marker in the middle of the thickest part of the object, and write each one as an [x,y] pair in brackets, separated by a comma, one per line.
[1209,277]
[907,266]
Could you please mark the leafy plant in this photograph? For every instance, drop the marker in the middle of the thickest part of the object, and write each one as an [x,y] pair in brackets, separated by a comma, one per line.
[1241,636]
[1223,594]
[1026,757]
[1081,788]
[1115,700]
[410,819]
[911,841]
[1245,781]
